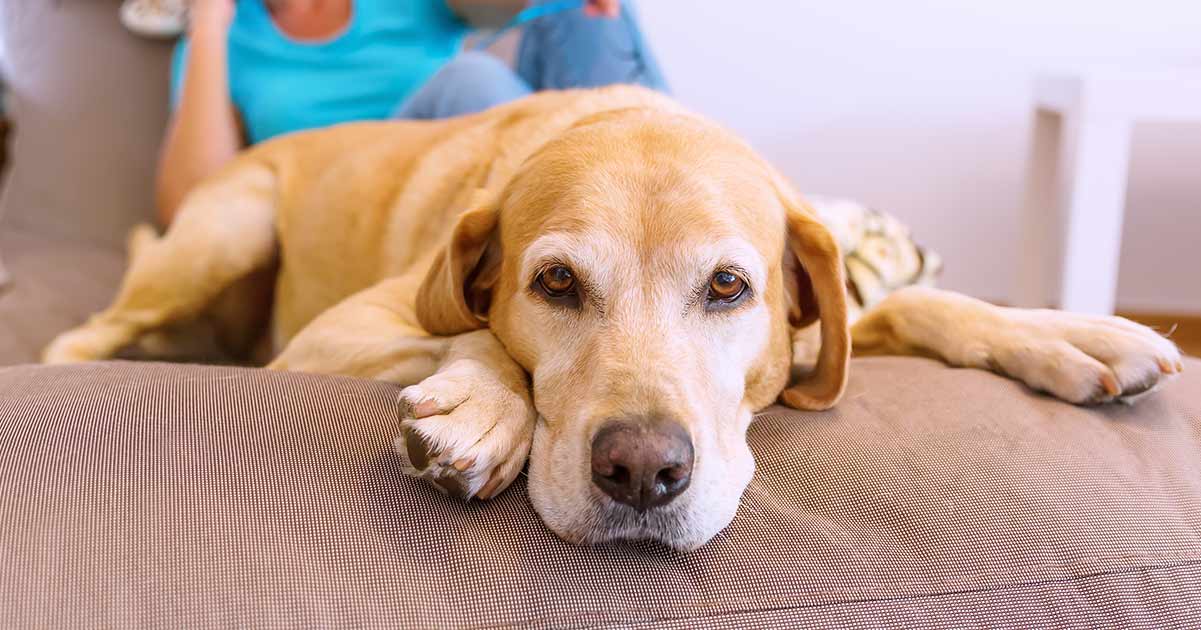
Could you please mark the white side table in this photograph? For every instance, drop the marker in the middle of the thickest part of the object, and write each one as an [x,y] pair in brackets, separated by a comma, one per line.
[1076,178]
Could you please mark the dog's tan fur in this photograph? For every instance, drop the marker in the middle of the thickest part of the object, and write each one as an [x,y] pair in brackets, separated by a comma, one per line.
[406,250]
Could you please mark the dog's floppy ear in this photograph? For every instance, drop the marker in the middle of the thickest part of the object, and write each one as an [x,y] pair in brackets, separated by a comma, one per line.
[817,290]
[456,293]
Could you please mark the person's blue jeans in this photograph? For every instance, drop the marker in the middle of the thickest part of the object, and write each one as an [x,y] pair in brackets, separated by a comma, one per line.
[558,51]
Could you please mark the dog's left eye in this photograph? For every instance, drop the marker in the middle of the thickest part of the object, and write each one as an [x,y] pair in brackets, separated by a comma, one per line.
[726,288]
[557,281]
[558,285]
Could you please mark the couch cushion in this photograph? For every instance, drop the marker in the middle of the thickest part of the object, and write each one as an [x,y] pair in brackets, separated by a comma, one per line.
[148,494]
[55,285]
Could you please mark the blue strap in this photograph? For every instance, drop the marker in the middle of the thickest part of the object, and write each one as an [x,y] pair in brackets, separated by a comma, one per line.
[529,14]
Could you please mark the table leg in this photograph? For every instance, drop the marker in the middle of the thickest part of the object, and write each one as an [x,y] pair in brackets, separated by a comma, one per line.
[1040,219]
[1093,225]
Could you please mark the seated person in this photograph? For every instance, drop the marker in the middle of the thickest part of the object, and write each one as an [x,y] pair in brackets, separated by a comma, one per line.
[250,70]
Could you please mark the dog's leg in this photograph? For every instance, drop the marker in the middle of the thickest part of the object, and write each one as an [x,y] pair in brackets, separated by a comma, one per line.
[468,416]
[1083,359]
[371,334]
[224,231]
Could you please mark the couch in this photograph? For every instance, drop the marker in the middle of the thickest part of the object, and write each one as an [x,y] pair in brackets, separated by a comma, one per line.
[172,495]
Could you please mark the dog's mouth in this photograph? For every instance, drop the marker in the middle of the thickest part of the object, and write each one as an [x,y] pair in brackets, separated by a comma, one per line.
[608,522]
[665,525]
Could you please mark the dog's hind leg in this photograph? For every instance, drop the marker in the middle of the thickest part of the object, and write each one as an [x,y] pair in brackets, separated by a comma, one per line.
[1084,359]
[224,232]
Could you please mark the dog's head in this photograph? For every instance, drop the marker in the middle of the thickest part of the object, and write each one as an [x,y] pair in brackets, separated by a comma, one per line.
[647,270]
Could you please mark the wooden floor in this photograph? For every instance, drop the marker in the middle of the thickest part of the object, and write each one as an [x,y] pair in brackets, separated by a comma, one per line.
[1187,333]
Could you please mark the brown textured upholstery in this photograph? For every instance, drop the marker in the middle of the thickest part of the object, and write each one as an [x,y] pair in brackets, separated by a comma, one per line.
[55,286]
[173,496]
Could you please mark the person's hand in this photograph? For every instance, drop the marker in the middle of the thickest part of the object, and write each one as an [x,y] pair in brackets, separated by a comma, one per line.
[211,16]
[603,8]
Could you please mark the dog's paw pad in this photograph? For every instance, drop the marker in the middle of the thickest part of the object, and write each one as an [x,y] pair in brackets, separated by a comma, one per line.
[419,460]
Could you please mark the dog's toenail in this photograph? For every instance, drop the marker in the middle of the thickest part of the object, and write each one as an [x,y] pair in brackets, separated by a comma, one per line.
[1179,366]
[464,463]
[490,488]
[1110,383]
[1165,366]
[416,448]
[453,485]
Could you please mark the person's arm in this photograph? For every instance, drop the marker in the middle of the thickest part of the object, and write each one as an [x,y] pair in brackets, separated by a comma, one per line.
[496,13]
[204,133]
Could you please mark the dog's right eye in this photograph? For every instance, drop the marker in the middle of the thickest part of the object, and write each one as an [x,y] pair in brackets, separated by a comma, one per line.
[725,287]
[557,283]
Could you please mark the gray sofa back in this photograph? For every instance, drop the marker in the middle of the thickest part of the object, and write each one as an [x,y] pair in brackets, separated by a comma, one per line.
[88,100]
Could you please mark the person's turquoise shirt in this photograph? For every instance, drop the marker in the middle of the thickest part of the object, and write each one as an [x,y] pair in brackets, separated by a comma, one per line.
[280,85]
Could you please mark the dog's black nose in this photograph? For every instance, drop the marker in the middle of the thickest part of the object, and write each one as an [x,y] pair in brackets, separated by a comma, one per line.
[642,464]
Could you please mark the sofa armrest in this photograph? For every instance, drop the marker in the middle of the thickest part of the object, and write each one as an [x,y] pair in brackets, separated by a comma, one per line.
[183,496]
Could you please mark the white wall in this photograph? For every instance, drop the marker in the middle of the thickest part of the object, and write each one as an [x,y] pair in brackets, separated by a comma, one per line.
[920,108]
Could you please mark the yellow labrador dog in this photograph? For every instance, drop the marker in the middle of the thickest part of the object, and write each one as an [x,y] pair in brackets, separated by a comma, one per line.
[597,282]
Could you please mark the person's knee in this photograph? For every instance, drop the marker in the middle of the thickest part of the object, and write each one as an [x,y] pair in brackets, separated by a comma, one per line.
[474,81]
[574,50]
[474,66]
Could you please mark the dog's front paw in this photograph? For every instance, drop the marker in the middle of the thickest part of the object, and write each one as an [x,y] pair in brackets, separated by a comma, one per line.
[75,346]
[1085,359]
[465,431]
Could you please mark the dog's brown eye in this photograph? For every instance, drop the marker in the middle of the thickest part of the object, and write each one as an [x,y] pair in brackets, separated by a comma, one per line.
[557,281]
[725,287]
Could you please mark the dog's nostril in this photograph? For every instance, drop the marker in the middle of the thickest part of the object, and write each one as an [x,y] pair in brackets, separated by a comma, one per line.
[620,474]
[671,476]
[642,464]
